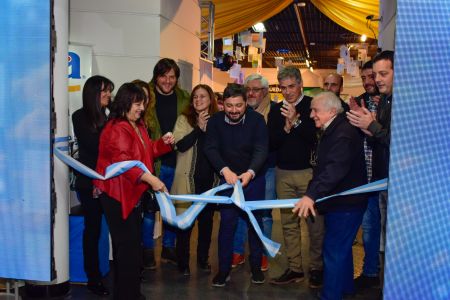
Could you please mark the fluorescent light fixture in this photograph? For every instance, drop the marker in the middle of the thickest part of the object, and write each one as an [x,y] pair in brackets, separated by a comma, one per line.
[301,4]
[363,38]
[259,27]
[311,69]
[307,64]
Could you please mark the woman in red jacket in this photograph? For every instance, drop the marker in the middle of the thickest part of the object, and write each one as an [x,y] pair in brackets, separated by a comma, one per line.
[123,138]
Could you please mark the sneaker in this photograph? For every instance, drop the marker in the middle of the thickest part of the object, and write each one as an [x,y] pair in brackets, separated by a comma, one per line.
[315,279]
[364,282]
[168,255]
[264,263]
[288,277]
[149,259]
[238,259]
[221,279]
[258,276]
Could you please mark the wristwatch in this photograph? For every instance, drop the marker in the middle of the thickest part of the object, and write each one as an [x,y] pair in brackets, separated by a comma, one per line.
[296,123]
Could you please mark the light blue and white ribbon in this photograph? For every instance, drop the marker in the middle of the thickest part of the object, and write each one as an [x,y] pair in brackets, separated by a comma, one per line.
[111,171]
[187,218]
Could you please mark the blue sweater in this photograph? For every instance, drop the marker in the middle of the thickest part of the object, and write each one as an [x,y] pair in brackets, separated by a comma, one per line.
[241,146]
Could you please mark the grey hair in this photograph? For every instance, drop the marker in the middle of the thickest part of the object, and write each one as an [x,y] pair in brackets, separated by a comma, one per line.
[330,101]
[262,79]
[290,72]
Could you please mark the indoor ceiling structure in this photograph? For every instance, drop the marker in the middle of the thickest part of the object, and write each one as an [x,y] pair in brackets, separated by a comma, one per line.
[301,28]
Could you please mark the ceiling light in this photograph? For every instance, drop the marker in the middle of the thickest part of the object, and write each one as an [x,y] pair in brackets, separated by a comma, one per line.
[301,4]
[311,69]
[307,64]
[363,38]
[259,27]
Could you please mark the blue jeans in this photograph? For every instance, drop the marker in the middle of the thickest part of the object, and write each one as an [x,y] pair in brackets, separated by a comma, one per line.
[371,227]
[166,175]
[241,230]
[340,232]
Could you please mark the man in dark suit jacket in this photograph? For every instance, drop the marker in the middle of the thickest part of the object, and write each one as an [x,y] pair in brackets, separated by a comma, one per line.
[340,167]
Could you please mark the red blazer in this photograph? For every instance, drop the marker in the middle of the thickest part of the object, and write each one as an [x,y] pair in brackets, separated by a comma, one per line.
[119,142]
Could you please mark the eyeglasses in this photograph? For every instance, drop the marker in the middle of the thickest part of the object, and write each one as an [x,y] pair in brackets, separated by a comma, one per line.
[254,90]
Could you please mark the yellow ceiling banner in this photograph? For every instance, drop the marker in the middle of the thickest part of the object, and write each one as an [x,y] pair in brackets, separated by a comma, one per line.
[234,16]
[351,14]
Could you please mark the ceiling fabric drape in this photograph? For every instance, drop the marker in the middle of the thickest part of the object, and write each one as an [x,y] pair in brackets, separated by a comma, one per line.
[351,14]
[234,16]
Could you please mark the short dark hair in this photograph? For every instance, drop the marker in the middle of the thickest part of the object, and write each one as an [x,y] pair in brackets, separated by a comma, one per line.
[290,72]
[91,99]
[163,66]
[367,65]
[385,55]
[127,94]
[235,90]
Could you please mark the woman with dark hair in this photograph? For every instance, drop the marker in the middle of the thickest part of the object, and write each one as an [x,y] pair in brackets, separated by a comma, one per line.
[194,174]
[125,138]
[88,122]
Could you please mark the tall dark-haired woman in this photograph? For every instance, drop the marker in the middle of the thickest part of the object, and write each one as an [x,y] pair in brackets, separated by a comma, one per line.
[125,138]
[194,173]
[88,122]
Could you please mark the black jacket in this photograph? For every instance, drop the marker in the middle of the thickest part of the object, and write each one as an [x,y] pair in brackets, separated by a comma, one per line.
[88,141]
[381,139]
[340,167]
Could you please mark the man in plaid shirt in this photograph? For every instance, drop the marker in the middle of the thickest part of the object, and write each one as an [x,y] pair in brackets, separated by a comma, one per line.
[371,221]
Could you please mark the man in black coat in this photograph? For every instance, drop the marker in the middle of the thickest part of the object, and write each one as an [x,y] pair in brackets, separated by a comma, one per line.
[340,167]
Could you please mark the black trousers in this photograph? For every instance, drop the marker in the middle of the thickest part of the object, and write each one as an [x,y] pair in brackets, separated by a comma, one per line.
[205,226]
[92,211]
[127,248]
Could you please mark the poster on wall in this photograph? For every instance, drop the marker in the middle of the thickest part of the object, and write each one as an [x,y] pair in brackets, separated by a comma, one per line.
[25,141]
[80,69]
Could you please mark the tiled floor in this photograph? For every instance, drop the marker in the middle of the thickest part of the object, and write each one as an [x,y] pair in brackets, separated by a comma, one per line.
[167,283]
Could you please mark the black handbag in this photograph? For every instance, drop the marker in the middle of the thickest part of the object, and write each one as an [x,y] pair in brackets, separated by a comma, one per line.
[149,202]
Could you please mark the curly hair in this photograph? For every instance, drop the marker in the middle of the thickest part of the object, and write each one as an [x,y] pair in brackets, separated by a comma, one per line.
[190,113]
[127,94]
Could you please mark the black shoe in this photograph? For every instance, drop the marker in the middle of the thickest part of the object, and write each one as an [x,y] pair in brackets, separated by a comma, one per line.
[185,270]
[221,279]
[168,255]
[288,277]
[258,276]
[149,259]
[364,282]
[204,265]
[315,279]
[98,288]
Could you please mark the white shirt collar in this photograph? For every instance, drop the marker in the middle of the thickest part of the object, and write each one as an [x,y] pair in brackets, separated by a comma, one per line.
[325,126]
[296,102]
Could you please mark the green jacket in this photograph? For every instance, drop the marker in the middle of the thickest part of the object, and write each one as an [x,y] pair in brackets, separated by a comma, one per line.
[152,122]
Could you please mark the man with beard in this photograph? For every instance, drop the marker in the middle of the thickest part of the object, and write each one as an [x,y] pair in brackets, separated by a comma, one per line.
[258,99]
[371,221]
[237,146]
[166,102]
